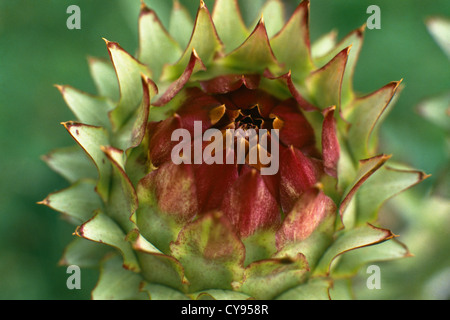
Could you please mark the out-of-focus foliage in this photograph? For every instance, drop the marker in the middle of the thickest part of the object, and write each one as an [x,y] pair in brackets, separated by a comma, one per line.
[37,51]
[423,216]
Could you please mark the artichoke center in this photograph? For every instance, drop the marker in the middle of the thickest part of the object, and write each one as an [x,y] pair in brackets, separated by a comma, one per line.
[249,119]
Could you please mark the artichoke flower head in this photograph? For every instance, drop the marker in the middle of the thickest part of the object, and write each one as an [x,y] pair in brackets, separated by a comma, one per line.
[227,162]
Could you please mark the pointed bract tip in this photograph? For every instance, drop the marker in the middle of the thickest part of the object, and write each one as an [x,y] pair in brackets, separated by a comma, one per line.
[45,157]
[326,111]
[44,202]
[428,19]
[62,262]
[144,9]
[78,232]
[202,4]
[110,44]
[59,87]
[390,234]
[176,5]
[260,27]
[91,60]
[397,84]
[304,5]
[424,176]
[144,78]
[349,48]
[333,34]
[393,235]
[361,29]
[195,54]
[67,123]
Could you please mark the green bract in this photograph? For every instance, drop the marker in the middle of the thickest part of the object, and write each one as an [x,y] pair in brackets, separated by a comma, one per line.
[141,219]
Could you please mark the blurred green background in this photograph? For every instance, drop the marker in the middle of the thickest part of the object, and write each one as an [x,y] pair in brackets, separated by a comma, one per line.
[37,51]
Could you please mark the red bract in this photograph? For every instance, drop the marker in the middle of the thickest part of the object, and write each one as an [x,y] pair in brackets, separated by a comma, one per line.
[250,200]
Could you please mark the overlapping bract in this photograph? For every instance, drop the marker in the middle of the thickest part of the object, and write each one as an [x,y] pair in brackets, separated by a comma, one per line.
[282,237]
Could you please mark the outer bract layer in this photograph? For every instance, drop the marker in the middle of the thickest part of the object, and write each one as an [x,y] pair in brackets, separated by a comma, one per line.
[201,229]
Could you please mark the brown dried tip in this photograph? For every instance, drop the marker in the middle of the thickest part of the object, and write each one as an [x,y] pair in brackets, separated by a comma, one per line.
[144,9]
[59,87]
[361,29]
[44,202]
[78,232]
[111,44]
[143,5]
